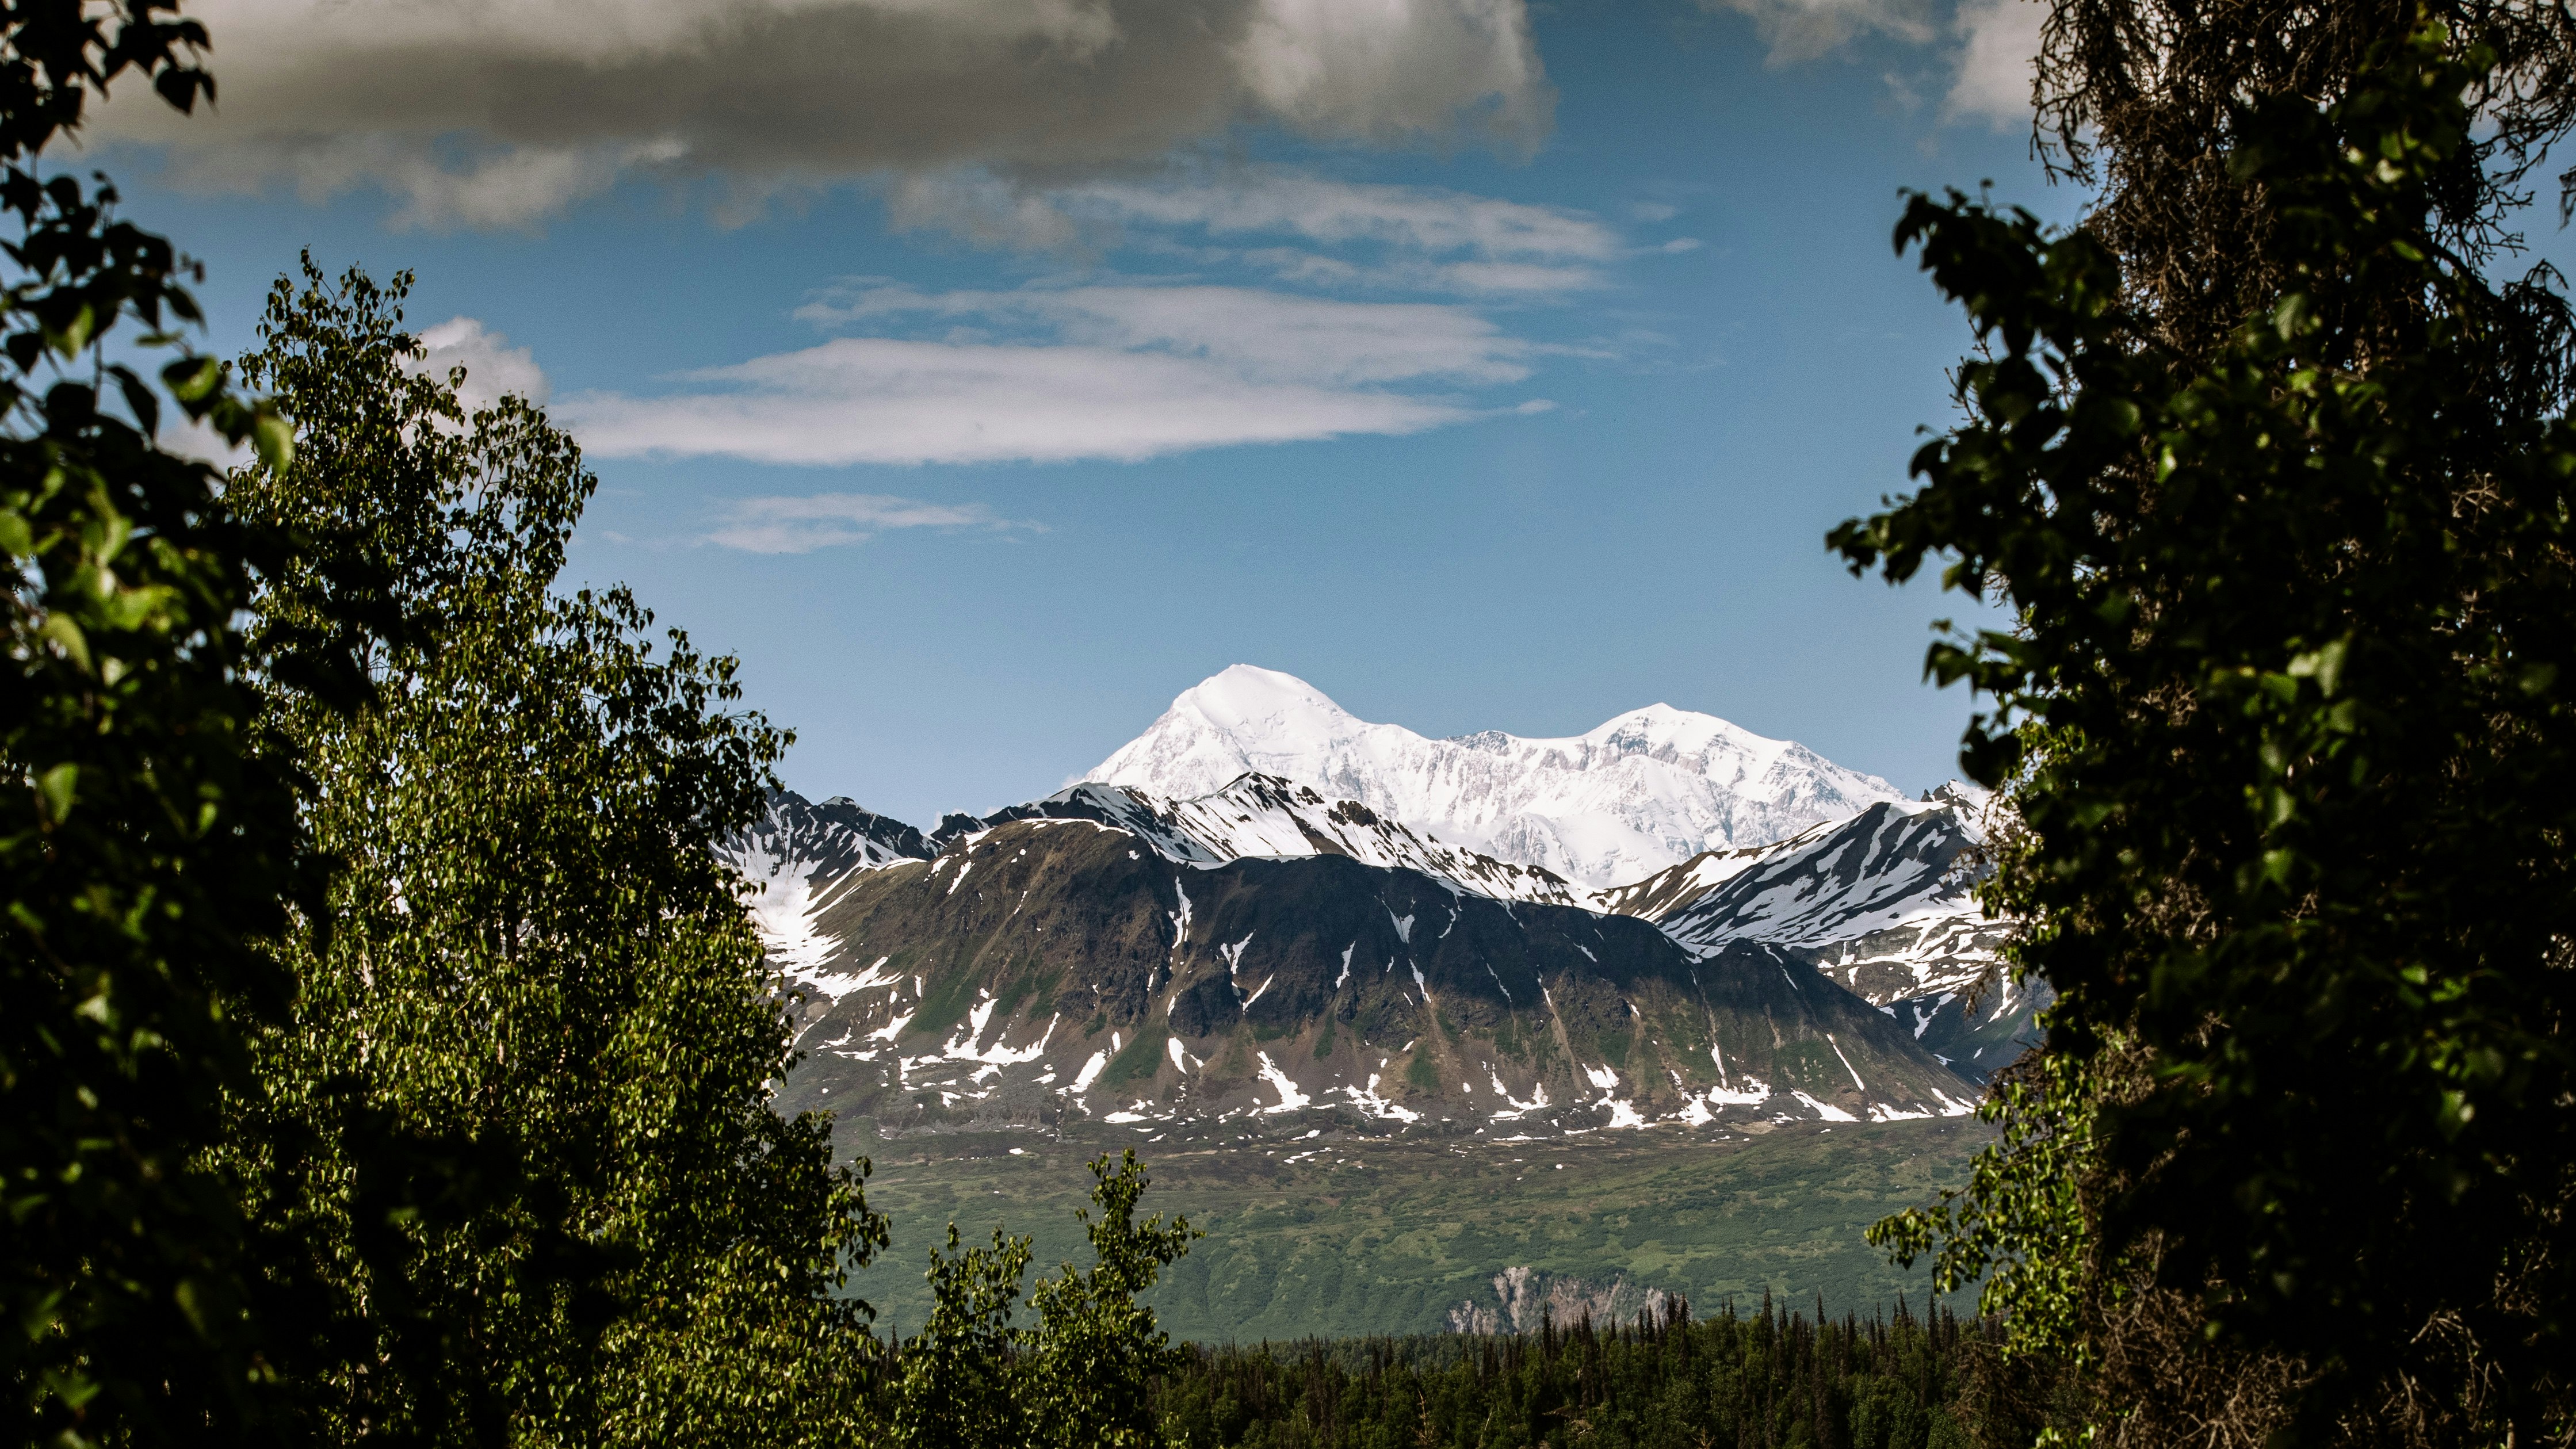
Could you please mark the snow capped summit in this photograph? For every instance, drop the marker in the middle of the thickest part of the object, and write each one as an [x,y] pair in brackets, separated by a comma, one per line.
[1642,792]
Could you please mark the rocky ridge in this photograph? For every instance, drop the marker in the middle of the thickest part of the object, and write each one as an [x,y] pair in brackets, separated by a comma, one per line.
[1883,903]
[1050,969]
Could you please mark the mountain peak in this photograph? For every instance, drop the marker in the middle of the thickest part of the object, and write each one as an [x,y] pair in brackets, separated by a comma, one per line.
[1645,790]
[1247,700]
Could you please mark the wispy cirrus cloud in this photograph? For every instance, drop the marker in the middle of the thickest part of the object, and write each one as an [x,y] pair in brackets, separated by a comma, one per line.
[1113,372]
[1801,30]
[789,524]
[1270,336]
[1320,231]
[1415,220]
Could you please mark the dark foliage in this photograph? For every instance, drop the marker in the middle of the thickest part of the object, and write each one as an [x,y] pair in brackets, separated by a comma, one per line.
[2289,722]
[141,846]
[2146,100]
[1770,1380]
[518,1117]
[1079,1380]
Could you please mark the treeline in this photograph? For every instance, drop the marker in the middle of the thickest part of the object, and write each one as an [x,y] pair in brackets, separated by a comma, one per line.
[1772,1379]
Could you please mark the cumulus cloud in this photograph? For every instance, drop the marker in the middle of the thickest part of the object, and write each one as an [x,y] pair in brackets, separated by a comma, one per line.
[1992,43]
[830,520]
[1122,373]
[492,366]
[484,113]
[2001,43]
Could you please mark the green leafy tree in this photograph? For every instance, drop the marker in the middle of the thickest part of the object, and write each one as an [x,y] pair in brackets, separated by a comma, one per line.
[1083,1376]
[957,1388]
[519,1116]
[1097,1348]
[142,846]
[2287,717]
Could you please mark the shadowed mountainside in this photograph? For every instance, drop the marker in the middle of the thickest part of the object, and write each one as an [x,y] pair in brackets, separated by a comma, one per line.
[1050,970]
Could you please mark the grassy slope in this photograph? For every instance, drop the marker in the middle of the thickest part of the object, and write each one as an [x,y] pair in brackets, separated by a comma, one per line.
[1386,1237]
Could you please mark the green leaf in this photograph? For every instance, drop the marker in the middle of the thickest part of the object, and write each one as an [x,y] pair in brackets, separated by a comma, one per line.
[66,635]
[274,438]
[193,380]
[54,789]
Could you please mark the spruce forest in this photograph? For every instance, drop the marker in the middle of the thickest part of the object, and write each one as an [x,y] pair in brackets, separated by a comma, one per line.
[386,1056]
[1771,1378]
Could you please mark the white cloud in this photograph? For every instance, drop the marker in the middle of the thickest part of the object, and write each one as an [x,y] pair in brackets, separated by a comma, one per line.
[875,400]
[1997,41]
[1268,336]
[1121,373]
[1411,218]
[1387,69]
[1421,238]
[828,520]
[483,113]
[492,366]
[1995,65]
[1798,30]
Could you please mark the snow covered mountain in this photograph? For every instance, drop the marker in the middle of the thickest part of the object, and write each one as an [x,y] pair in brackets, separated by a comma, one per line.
[1262,816]
[800,857]
[1645,791]
[1267,945]
[1883,903]
[1049,969]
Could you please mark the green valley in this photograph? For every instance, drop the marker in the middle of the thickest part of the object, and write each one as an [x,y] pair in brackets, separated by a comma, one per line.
[1339,1236]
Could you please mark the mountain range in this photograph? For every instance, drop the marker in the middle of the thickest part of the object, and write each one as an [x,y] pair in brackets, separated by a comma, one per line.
[1265,916]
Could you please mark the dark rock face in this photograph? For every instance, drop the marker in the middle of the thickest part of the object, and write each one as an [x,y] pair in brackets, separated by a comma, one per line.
[827,840]
[1046,968]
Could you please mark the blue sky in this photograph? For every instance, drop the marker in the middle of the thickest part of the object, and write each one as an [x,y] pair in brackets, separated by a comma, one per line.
[1491,368]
